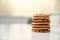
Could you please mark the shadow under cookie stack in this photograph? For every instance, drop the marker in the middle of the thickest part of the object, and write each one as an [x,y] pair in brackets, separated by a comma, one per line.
[41,23]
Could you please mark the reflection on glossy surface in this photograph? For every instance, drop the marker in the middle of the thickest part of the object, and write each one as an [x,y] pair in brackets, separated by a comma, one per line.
[23,32]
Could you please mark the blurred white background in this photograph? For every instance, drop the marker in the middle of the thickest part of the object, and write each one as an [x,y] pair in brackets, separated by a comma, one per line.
[28,7]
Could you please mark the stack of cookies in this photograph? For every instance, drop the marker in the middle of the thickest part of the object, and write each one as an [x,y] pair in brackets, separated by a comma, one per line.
[41,23]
